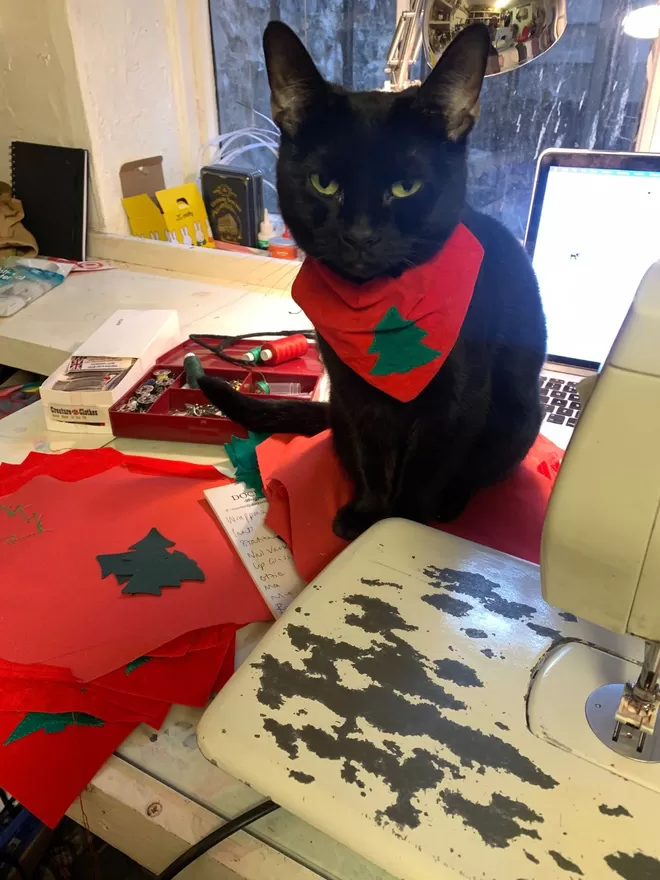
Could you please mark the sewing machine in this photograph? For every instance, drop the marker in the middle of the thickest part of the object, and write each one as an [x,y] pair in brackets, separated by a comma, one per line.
[601,541]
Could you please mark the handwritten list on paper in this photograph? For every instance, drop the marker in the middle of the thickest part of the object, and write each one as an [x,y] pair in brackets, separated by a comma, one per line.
[265,555]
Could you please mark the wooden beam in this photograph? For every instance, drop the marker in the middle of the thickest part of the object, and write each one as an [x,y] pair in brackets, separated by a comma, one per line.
[153,824]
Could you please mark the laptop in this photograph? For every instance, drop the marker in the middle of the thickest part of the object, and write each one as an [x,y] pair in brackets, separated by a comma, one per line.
[592,233]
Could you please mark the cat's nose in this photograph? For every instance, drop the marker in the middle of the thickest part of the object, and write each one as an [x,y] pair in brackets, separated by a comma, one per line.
[361,237]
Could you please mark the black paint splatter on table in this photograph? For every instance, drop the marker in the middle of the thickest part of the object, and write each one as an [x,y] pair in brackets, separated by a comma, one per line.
[478,587]
[634,866]
[494,822]
[403,698]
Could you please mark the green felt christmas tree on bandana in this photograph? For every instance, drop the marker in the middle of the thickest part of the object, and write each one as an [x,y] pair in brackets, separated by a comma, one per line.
[399,346]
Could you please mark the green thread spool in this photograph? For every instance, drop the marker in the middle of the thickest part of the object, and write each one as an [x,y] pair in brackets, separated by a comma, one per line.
[193,369]
[253,355]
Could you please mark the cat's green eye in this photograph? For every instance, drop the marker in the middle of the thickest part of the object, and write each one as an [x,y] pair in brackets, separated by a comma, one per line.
[404,188]
[331,188]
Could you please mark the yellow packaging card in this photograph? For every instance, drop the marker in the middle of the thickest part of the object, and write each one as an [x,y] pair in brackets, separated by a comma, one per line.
[178,216]
[185,215]
[145,217]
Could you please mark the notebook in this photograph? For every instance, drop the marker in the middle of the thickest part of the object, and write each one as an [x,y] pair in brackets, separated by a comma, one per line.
[51,182]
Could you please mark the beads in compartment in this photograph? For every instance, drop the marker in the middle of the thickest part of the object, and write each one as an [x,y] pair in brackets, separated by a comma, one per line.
[146,394]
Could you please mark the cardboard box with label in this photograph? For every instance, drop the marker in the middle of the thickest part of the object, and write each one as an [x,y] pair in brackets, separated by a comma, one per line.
[112,360]
[176,214]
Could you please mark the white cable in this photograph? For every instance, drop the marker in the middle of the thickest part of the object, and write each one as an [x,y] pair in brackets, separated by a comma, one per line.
[230,158]
[222,139]
[260,142]
[227,150]
[269,120]
[229,143]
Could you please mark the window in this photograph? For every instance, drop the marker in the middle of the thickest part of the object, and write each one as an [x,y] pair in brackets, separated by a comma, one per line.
[348,40]
[587,91]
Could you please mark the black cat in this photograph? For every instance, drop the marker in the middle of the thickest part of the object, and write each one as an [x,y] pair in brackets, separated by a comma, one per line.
[343,157]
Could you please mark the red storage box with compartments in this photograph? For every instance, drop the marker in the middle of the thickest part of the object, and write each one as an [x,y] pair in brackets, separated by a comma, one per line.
[172,411]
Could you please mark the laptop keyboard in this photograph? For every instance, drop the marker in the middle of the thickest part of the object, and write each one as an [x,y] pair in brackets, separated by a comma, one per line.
[560,401]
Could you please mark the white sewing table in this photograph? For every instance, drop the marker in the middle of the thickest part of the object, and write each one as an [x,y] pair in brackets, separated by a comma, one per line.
[227,293]
[158,794]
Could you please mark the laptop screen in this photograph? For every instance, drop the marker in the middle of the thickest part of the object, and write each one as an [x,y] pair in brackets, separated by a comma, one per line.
[597,234]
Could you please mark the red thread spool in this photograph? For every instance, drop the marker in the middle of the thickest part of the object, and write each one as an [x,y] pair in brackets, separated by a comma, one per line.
[287,349]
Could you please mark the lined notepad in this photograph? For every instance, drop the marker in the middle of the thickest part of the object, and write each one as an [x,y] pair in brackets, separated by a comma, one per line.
[264,554]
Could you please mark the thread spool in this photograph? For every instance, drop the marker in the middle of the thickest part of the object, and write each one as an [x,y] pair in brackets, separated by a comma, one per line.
[193,369]
[252,356]
[282,350]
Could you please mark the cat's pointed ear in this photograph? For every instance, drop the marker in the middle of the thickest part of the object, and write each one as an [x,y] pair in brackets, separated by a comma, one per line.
[451,90]
[296,86]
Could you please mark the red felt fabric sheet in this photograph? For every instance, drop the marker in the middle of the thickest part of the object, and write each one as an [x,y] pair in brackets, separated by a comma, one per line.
[306,486]
[66,634]
[19,695]
[226,670]
[187,680]
[144,693]
[78,464]
[85,622]
[47,771]
[55,767]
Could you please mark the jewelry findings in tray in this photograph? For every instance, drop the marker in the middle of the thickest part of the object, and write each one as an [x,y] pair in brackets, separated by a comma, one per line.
[148,393]
[200,410]
[168,404]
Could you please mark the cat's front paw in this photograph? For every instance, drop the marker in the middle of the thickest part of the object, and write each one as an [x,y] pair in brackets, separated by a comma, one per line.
[451,506]
[350,522]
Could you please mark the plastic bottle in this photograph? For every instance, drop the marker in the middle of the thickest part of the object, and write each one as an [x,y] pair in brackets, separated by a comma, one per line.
[266,232]
[283,249]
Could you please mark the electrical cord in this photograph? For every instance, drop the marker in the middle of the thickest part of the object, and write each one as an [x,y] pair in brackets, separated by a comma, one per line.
[225,342]
[222,833]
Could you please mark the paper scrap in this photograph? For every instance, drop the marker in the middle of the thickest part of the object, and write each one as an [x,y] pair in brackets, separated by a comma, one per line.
[227,469]
[265,555]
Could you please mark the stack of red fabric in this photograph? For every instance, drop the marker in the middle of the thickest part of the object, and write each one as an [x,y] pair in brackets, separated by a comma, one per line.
[81,662]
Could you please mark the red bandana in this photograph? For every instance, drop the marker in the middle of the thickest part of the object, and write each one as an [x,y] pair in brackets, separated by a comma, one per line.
[395,333]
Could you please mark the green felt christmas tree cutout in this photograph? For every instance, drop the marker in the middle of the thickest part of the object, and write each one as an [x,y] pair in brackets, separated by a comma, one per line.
[398,344]
[149,565]
[51,723]
[242,453]
[135,664]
